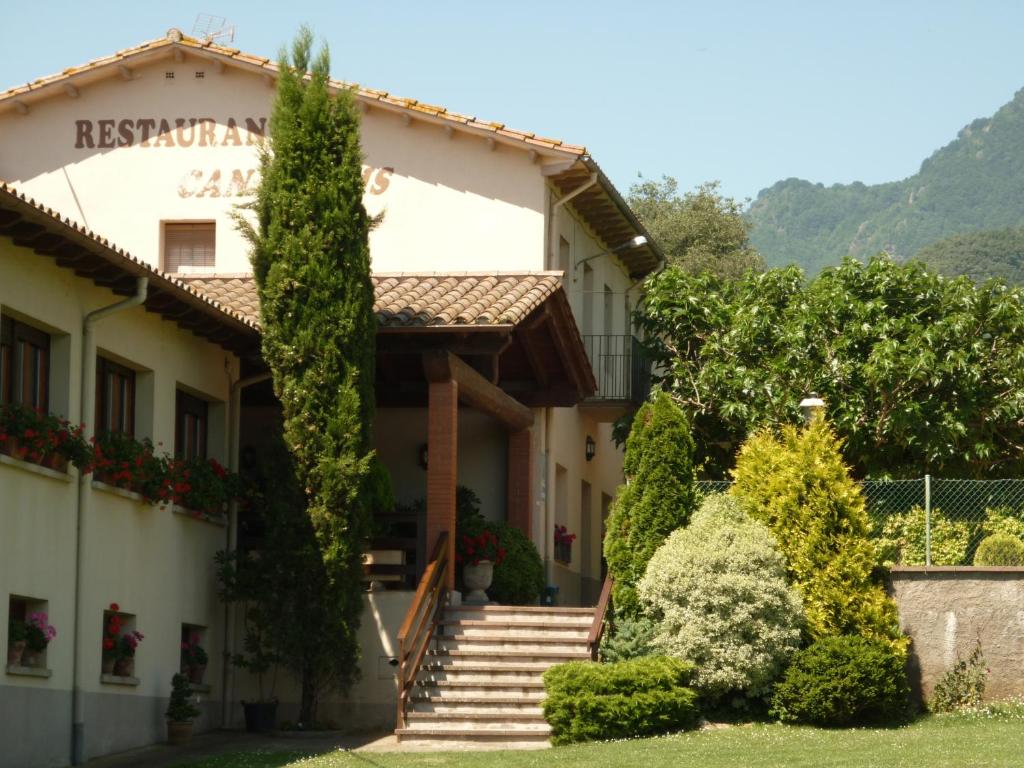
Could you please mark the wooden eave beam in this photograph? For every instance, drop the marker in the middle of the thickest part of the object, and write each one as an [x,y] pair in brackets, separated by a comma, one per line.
[476,391]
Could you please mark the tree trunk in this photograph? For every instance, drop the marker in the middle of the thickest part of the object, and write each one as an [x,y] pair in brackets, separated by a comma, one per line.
[310,697]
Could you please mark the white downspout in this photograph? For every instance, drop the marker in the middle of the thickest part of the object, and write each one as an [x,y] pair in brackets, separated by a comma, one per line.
[87,406]
[234,439]
[553,230]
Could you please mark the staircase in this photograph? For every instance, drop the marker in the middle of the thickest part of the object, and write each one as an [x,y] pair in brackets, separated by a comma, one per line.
[480,682]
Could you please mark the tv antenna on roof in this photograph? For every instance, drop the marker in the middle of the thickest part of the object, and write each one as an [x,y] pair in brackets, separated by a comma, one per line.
[213,29]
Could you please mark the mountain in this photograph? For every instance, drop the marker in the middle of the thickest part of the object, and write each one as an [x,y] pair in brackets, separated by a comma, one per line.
[975,182]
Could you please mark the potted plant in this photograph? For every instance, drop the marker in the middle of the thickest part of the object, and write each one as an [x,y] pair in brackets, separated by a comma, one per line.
[38,634]
[111,634]
[563,544]
[478,555]
[260,715]
[180,711]
[194,659]
[16,632]
[124,653]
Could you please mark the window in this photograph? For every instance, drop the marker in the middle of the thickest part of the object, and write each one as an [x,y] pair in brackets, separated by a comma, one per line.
[191,427]
[115,398]
[29,632]
[24,365]
[189,247]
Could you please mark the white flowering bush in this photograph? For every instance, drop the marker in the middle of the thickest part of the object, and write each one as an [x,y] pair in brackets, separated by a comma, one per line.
[717,590]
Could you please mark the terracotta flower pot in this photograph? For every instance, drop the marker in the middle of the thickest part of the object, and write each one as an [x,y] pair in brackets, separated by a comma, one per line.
[179,733]
[30,658]
[14,653]
[124,667]
[195,674]
[478,578]
[55,462]
[107,667]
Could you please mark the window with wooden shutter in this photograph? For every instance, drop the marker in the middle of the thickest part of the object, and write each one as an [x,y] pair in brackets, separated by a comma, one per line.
[189,247]
[191,426]
[115,398]
[24,365]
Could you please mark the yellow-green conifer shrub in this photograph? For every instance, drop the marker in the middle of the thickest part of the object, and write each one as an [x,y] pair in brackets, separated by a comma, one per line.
[796,483]
[659,496]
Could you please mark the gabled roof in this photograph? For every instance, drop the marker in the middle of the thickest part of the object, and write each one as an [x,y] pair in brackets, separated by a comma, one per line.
[568,166]
[32,225]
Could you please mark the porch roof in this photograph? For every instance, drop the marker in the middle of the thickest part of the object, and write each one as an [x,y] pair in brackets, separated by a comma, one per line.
[417,300]
[515,328]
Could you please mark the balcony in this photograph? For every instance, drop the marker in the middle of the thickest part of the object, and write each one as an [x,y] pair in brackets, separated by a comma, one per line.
[623,373]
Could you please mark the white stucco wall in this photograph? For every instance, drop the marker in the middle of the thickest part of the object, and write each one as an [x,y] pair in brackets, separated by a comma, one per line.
[155,564]
[450,203]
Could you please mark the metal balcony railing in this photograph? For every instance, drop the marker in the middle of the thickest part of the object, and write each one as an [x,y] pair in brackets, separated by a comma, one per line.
[622,372]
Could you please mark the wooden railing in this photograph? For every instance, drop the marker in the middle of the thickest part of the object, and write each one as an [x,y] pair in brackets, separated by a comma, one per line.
[597,626]
[420,622]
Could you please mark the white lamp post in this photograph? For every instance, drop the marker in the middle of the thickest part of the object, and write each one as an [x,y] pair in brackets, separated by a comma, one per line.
[811,406]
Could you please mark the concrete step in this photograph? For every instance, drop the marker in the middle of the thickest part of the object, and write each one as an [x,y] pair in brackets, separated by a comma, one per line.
[502,644]
[497,657]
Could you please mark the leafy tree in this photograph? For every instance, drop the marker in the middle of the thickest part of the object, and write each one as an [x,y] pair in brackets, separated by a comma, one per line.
[717,589]
[311,262]
[658,497]
[993,254]
[919,373]
[702,231]
[797,484]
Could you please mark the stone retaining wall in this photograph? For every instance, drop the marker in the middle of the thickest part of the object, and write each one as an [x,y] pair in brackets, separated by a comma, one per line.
[947,610]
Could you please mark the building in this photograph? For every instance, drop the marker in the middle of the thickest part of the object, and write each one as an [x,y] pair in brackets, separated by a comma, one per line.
[506,268]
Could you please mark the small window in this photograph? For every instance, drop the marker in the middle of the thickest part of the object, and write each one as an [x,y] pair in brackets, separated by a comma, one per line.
[189,247]
[194,654]
[29,633]
[115,398]
[191,427]
[24,365]
[200,75]
[168,75]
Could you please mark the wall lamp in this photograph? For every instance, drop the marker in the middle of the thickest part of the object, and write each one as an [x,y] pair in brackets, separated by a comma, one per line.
[636,242]
[591,449]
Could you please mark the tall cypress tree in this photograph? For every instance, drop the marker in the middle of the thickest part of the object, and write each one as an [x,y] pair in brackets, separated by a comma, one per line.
[311,261]
[660,495]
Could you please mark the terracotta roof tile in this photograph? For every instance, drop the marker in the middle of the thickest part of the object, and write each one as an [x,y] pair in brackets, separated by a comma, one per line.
[408,300]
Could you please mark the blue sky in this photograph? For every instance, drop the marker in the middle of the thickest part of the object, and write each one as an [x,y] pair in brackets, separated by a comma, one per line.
[746,92]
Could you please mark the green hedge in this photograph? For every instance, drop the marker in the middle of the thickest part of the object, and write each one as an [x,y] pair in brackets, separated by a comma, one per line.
[640,697]
[843,681]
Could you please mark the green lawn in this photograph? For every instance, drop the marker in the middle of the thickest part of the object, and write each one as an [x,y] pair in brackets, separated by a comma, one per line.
[961,741]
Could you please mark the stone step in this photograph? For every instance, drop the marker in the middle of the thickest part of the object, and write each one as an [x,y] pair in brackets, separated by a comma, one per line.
[496,706]
[483,687]
[480,678]
[558,616]
[503,644]
[489,628]
[498,657]
[520,721]
[450,738]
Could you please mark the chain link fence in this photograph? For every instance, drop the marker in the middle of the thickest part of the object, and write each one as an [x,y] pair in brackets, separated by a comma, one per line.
[937,521]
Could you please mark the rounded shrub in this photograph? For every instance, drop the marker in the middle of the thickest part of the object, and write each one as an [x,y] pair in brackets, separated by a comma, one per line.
[630,638]
[1000,549]
[843,681]
[519,578]
[598,702]
[717,591]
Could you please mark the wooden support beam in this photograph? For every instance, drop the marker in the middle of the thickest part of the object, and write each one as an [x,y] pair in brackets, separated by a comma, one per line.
[476,391]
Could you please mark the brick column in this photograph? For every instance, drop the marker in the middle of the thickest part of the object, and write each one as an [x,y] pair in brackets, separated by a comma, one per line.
[520,481]
[442,459]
